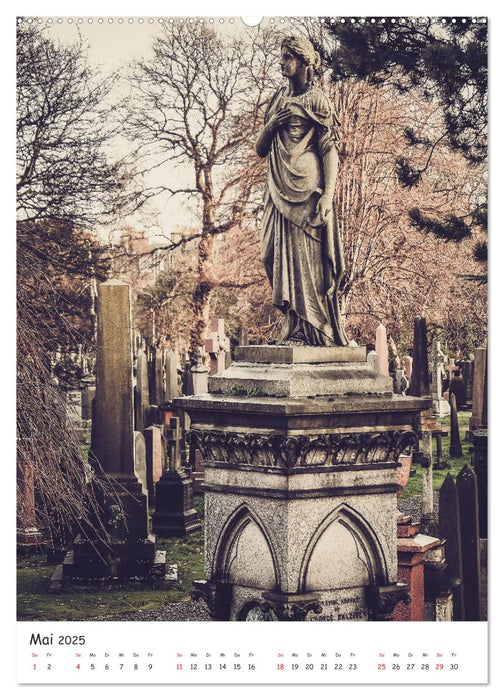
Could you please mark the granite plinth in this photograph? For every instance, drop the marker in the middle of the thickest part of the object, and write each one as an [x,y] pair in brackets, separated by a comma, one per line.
[270,370]
[299,379]
[295,354]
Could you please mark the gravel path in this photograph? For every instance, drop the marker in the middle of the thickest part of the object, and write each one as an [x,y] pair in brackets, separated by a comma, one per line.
[173,612]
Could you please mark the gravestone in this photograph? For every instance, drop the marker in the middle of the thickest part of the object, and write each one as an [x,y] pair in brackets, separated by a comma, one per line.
[420,384]
[141,460]
[440,405]
[449,530]
[28,536]
[217,346]
[141,391]
[455,444]
[382,349]
[457,388]
[171,374]
[467,370]
[300,491]
[407,361]
[374,360]
[478,434]
[155,457]
[88,394]
[130,549]
[198,376]
[467,489]
[174,514]
[243,340]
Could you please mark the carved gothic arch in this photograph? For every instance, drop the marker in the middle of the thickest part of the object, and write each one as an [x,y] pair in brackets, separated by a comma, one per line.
[228,537]
[362,533]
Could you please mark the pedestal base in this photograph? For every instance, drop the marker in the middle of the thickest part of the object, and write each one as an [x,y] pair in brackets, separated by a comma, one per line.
[90,563]
[300,492]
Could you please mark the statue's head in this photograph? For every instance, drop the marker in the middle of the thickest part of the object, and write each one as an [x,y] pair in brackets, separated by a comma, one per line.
[303,49]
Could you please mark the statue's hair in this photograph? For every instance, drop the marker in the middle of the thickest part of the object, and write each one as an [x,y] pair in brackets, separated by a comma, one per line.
[304,49]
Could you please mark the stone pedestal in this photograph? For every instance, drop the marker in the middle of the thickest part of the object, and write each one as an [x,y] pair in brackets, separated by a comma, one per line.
[412,547]
[300,485]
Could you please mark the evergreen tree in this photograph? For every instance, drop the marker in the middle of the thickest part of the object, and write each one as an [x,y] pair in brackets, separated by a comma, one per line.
[447,62]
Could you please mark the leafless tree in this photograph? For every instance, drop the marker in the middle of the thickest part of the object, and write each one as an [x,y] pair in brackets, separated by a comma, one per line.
[195,108]
[65,183]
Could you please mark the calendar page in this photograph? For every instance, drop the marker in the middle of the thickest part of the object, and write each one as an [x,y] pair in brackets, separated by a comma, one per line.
[251,349]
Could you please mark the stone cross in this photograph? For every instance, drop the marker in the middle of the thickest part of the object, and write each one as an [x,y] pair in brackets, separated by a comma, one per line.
[382,349]
[173,437]
[217,345]
[439,403]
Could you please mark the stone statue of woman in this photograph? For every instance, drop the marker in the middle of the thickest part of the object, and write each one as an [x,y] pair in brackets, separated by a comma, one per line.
[300,246]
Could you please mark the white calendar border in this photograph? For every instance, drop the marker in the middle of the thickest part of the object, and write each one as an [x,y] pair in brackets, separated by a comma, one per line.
[251,9]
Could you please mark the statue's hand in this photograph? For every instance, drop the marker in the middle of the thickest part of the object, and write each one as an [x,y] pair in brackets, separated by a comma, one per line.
[279,118]
[322,210]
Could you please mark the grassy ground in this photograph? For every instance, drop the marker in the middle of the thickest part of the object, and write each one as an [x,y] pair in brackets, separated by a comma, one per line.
[454,465]
[36,602]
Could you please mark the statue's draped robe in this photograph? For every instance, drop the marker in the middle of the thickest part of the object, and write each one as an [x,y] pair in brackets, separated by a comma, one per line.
[303,261]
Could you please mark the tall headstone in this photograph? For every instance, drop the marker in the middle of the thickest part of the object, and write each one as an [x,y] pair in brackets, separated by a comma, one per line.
[467,371]
[467,488]
[112,435]
[382,349]
[449,530]
[478,403]
[420,384]
[130,549]
[455,444]
[479,459]
[155,457]
[141,390]
[171,374]
[156,372]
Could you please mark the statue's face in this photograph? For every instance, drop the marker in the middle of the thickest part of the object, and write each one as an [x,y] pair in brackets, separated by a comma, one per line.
[290,64]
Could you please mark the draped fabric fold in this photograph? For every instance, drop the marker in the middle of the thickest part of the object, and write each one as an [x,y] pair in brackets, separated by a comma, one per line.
[304,262]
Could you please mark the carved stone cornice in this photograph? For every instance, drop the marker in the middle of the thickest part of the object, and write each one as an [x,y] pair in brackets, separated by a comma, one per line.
[381,600]
[301,451]
[290,607]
